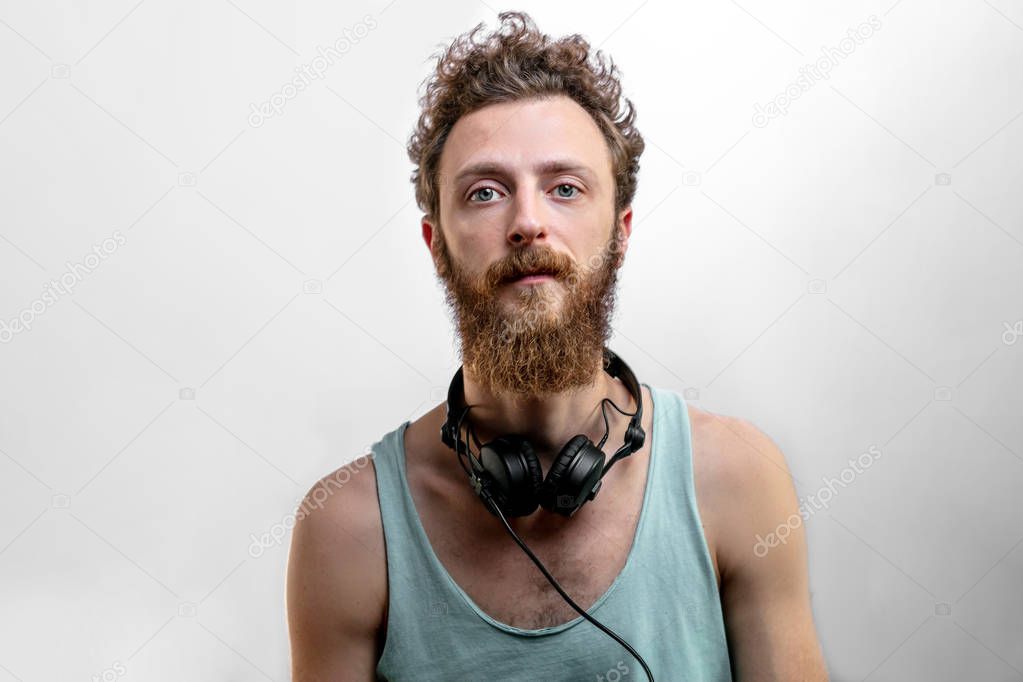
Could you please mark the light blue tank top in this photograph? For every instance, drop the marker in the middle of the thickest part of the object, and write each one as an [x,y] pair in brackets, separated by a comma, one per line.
[664,602]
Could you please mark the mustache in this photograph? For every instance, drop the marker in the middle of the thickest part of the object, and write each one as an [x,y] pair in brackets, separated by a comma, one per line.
[533,262]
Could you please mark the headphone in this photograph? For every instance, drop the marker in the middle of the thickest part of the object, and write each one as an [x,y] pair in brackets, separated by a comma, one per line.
[508,478]
[507,472]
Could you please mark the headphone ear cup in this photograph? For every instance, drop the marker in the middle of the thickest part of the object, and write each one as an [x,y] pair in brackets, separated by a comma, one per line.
[514,474]
[574,473]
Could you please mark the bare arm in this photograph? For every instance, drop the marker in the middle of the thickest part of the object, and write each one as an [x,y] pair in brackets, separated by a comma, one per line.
[764,588]
[337,579]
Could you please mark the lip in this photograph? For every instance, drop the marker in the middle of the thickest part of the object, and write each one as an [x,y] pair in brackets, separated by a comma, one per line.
[532,279]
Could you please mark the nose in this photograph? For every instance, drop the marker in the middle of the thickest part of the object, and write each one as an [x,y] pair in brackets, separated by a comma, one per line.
[528,221]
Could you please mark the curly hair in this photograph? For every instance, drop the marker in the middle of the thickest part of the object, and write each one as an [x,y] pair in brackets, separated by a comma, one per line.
[517,62]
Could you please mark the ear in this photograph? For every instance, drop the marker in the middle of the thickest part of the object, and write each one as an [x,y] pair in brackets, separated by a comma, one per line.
[625,220]
[625,223]
[427,226]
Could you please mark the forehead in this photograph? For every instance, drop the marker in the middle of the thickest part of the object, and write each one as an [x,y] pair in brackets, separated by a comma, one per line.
[523,133]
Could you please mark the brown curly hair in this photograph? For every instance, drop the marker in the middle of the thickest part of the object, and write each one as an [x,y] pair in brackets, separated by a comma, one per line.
[518,62]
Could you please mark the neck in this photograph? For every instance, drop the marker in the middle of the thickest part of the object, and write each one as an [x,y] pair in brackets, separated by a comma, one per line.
[551,420]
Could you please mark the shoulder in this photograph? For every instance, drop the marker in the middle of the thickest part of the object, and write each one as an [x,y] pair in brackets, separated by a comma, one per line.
[733,450]
[746,494]
[743,484]
[343,502]
[338,522]
[337,567]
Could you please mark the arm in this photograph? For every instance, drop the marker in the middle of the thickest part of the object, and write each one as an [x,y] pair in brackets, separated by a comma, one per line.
[764,589]
[337,579]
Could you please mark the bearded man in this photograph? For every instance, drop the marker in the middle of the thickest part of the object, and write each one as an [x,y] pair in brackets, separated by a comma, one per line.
[526,160]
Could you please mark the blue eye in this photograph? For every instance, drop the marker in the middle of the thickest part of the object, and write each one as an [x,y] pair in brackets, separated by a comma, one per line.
[572,187]
[482,189]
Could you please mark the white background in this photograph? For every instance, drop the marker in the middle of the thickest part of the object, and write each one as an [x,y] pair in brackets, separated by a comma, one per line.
[846,276]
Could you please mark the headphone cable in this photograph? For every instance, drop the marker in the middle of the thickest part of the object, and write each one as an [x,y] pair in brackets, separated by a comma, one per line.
[489,501]
[603,411]
[564,595]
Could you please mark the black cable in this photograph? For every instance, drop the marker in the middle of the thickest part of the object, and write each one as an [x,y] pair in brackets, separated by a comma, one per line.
[622,451]
[562,592]
[607,427]
[603,412]
[489,501]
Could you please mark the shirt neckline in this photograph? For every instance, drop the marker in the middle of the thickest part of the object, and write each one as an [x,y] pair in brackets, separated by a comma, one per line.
[424,539]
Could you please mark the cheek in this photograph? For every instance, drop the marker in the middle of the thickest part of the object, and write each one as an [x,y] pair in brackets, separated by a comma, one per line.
[602,255]
[480,247]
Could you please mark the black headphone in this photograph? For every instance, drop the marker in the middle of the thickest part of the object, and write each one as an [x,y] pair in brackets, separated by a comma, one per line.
[507,472]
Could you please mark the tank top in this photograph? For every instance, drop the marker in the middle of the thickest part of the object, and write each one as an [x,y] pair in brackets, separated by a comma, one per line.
[664,601]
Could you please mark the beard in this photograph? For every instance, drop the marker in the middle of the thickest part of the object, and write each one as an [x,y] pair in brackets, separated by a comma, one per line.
[549,337]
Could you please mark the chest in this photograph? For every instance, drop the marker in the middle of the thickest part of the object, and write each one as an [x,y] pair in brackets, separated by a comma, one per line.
[585,558]
[585,553]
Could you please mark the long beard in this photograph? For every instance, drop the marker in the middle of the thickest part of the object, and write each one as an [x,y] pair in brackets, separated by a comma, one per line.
[530,343]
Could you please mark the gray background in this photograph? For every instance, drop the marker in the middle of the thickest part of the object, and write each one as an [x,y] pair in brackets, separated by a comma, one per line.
[847,276]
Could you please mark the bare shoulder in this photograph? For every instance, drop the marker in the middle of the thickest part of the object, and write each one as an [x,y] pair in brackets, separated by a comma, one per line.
[746,492]
[337,576]
[741,477]
[733,450]
[340,516]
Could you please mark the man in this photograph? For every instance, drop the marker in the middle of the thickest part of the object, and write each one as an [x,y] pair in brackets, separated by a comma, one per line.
[526,170]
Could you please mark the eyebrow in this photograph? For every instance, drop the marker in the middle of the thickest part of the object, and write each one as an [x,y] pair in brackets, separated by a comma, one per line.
[549,167]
